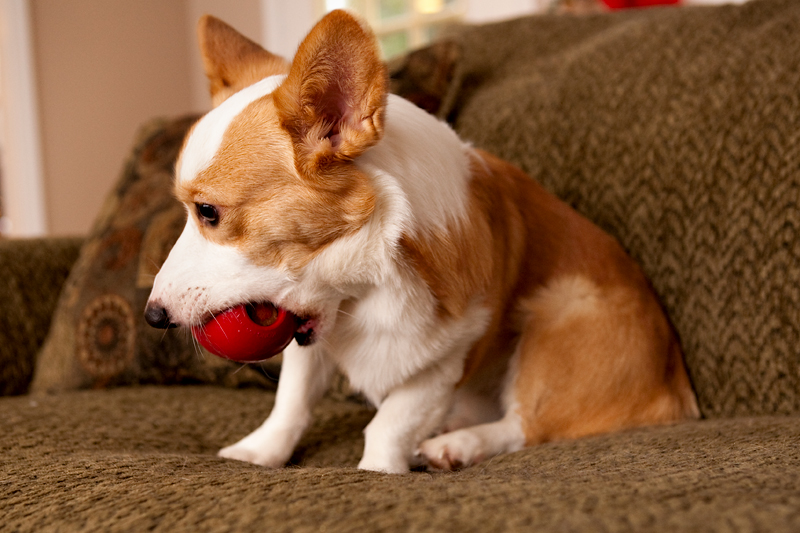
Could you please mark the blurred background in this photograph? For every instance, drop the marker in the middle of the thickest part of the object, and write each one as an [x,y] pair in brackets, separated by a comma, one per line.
[78,77]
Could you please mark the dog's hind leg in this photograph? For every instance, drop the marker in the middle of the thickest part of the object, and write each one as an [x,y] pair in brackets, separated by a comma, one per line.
[597,359]
[590,360]
[305,375]
[464,447]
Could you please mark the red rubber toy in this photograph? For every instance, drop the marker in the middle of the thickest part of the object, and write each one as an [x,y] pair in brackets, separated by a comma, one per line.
[248,333]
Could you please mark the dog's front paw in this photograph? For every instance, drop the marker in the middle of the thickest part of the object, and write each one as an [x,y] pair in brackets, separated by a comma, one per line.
[267,446]
[452,451]
[384,463]
[242,452]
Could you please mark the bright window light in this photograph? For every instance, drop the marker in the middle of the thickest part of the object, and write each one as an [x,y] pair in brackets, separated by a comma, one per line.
[428,7]
[402,25]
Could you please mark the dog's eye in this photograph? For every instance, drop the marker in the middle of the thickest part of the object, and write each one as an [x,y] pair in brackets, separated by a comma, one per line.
[207,213]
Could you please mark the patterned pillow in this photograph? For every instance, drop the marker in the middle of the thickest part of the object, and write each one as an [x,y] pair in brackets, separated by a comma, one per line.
[98,337]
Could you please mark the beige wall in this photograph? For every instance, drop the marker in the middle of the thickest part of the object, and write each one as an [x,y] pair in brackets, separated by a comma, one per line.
[103,68]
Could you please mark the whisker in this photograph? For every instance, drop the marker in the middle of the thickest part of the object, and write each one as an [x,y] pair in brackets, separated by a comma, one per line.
[324,342]
[196,345]
[346,313]
[269,376]
[215,319]
[153,262]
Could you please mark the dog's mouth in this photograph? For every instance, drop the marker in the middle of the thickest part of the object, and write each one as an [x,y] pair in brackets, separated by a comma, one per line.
[306,325]
[265,315]
[305,334]
[253,332]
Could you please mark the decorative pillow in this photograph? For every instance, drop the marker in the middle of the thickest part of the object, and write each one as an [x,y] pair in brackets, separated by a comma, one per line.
[98,336]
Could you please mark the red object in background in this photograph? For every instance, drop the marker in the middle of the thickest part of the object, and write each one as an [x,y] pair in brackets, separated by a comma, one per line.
[248,333]
[622,4]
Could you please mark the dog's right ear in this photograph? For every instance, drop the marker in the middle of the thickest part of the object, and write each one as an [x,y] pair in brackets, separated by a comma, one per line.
[231,60]
[333,101]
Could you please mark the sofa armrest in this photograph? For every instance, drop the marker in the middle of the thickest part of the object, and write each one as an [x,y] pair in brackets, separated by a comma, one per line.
[33,272]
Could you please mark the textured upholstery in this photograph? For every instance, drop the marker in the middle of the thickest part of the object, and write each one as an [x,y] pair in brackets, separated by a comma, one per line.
[131,459]
[674,129]
[32,272]
[678,131]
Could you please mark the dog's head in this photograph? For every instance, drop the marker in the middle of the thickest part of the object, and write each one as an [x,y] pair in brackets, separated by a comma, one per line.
[268,176]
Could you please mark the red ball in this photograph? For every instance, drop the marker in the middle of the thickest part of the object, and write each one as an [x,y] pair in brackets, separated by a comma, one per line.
[248,333]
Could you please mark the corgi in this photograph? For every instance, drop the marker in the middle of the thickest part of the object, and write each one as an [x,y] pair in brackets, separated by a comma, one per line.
[475,310]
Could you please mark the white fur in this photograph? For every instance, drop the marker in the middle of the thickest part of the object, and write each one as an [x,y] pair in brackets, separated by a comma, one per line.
[427,159]
[475,440]
[305,376]
[207,134]
[378,320]
[200,277]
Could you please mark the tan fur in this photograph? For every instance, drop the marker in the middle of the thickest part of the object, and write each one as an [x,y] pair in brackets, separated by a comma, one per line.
[597,359]
[263,198]
[264,202]
[334,99]
[596,352]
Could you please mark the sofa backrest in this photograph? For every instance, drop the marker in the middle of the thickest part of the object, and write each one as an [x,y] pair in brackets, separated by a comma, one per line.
[677,130]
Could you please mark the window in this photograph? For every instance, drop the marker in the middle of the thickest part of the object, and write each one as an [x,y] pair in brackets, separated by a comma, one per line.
[402,25]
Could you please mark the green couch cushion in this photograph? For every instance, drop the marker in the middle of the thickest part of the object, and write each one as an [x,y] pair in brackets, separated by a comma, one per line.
[144,457]
[33,272]
[678,131]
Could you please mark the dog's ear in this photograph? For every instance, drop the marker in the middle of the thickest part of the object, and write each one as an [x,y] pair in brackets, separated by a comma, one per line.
[231,60]
[333,101]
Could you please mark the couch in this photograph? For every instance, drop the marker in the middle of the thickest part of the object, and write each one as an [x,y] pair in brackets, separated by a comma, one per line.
[675,129]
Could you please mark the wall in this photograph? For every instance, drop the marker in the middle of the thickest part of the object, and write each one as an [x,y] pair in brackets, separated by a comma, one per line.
[21,181]
[102,69]
[285,24]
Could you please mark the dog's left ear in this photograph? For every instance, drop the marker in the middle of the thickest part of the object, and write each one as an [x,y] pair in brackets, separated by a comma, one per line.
[333,101]
[231,60]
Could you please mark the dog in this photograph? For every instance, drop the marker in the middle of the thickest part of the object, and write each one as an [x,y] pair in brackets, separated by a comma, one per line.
[475,310]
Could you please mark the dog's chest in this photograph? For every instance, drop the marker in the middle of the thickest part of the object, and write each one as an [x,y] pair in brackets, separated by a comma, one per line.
[379,339]
[391,334]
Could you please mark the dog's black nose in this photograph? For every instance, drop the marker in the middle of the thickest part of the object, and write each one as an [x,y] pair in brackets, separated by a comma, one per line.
[158,317]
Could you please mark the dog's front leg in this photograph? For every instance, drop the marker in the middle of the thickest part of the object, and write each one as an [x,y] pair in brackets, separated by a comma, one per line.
[305,375]
[408,415]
